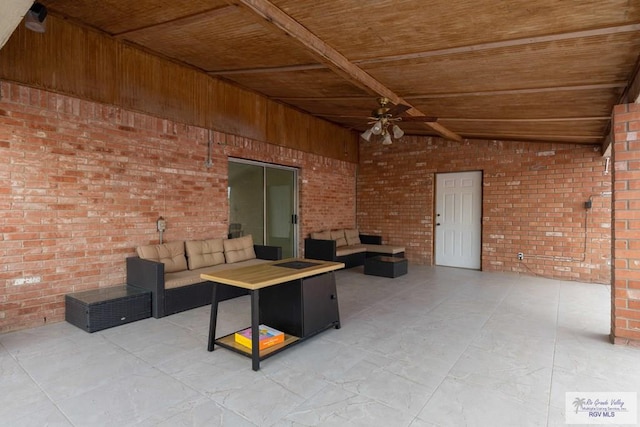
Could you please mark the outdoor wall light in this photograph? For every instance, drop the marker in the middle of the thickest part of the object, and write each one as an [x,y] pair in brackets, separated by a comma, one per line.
[35,18]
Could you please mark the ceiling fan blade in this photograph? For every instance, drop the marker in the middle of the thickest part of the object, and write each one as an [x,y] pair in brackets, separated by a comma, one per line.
[396,110]
[346,116]
[422,119]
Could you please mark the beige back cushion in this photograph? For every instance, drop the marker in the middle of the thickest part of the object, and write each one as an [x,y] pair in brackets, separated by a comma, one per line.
[352,236]
[338,236]
[170,254]
[204,253]
[240,249]
[321,235]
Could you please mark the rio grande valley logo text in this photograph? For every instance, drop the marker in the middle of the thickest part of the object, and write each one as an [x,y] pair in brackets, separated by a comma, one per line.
[599,408]
[603,407]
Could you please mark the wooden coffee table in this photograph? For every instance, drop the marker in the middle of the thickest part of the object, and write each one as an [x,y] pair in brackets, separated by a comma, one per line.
[295,296]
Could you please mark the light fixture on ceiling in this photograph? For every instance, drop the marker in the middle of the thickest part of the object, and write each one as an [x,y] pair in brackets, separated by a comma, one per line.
[35,18]
[383,128]
[383,124]
[397,132]
[366,135]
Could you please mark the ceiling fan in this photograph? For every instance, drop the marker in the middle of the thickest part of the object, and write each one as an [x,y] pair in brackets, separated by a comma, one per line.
[384,120]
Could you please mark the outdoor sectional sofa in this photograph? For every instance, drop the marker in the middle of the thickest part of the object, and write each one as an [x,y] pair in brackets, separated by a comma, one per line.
[347,246]
[171,271]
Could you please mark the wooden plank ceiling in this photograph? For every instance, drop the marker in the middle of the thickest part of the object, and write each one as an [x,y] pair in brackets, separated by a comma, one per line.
[546,70]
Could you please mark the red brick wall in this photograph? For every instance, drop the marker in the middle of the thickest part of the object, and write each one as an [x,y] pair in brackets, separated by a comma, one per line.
[625,304]
[533,202]
[82,184]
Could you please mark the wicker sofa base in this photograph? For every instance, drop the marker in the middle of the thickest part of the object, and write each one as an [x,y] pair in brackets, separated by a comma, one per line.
[327,250]
[196,295]
[352,260]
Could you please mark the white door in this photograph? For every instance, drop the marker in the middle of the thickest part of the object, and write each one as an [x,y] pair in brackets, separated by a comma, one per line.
[459,219]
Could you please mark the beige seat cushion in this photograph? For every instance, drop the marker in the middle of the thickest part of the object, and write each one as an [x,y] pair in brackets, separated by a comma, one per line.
[348,250]
[204,253]
[384,249]
[338,236]
[190,277]
[352,236]
[321,235]
[170,254]
[240,249]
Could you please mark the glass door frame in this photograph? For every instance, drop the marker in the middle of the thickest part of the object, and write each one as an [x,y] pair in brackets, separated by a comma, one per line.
[265,166]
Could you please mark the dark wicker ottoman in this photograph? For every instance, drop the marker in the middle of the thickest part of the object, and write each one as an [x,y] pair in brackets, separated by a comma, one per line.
[385,266]
[104,308]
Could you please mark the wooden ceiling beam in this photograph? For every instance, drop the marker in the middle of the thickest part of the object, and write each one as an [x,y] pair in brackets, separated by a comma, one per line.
[183,20]
[493,45]
[521,91]
[321,98]
[285,69]
[633,91]
[541,120]
[505,43]
[334,59]
[465,94]
[535,137]
[490,120]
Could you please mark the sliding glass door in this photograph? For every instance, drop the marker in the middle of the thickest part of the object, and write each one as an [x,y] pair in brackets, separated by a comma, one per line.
[280,212]
[263,203]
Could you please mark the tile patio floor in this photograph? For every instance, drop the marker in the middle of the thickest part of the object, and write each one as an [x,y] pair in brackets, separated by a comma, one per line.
[437,347]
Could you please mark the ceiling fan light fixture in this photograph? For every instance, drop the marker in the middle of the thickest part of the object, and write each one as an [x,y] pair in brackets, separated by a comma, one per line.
[397,132]
[35,18]
[384,122]
[377,128]
[366,135]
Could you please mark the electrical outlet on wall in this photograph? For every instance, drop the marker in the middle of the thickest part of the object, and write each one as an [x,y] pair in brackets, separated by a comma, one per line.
[520,256]
[162,224]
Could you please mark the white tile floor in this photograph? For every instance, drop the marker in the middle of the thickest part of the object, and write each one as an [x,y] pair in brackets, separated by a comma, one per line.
[437,347]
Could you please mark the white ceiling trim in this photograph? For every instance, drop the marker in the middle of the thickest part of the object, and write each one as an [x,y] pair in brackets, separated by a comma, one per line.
[12,13]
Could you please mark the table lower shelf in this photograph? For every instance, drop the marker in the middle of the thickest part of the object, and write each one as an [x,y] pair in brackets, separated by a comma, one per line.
[229,342]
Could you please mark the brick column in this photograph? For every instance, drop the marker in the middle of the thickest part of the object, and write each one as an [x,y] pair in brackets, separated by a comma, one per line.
[625,293]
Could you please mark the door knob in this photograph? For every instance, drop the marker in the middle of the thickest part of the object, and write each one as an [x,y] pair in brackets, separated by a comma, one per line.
[438,224]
